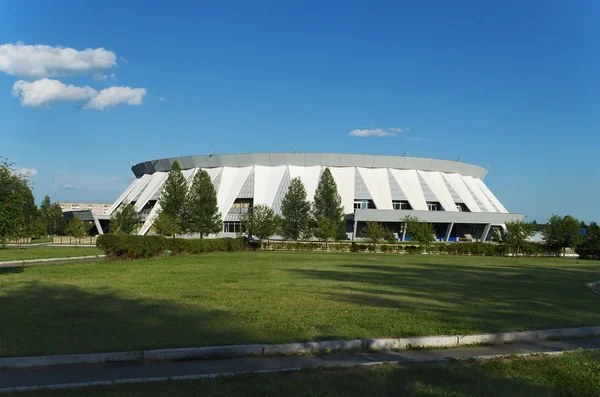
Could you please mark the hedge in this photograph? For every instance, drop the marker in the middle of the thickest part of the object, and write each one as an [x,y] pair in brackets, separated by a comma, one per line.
[478,248]
[117,246]
[588,253]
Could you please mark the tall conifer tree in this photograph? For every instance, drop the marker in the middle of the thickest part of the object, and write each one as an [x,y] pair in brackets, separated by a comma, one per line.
[295,210]
[200,209]
[328,210]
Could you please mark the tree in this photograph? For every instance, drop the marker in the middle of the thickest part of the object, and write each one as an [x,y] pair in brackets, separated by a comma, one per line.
[126,220]
[562,232]
[200,210]
[78,229]
[260,221]
[515,235]
[375,232]
[166,225]
[328,210]
[295,210]
[173,194]
[592,235]
[421,232]
[52,216]
[15,202]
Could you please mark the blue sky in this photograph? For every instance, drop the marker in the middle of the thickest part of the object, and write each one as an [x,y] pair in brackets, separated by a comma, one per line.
[513,84]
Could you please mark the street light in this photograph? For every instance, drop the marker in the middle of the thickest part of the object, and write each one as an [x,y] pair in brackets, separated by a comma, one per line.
[405,153]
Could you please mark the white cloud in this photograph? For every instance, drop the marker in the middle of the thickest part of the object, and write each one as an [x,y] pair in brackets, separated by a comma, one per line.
[67,186]
[114,96]
[162,99]
[378,132]
[415,138]
[45,91]
[44,61]
[26,171]
[395,129]
[104,77]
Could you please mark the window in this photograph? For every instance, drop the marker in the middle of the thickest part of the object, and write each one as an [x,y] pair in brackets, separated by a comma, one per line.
[232,227]
[401,205]
[434,206]
[241,205]
[462,207]
[364,204]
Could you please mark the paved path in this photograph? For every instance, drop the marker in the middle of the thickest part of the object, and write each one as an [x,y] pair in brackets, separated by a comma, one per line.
[59,377]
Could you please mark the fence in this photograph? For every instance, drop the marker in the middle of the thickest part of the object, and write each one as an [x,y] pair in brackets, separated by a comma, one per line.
[68,240]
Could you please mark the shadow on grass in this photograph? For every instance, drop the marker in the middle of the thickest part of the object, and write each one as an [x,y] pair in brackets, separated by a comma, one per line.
[39,319]
[468,298]
[11,270]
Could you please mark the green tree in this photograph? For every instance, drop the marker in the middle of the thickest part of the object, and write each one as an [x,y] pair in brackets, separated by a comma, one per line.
[260,221]
[200,210]
[375,232]
[126,220]
[15,202]
[328,210]
[515,235]
[562,232]
[295,210]
[421,232]
[166,225]
[173,194]
[78,229]
[592,235]
[52,216]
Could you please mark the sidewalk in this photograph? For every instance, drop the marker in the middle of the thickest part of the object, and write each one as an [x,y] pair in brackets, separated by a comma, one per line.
[95,375]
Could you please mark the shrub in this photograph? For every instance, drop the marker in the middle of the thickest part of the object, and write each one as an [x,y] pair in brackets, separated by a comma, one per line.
[137,247]
[588,253]
[131,247]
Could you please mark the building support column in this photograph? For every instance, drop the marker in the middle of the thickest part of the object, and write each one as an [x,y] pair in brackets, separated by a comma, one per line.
[403,231]
[354,231]
[98,227]
[448,232]
[486,231]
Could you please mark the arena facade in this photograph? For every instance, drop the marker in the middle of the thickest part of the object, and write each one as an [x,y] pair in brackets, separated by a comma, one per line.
[449,194]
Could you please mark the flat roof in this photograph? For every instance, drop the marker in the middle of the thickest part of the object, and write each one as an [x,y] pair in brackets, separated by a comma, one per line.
[309,159]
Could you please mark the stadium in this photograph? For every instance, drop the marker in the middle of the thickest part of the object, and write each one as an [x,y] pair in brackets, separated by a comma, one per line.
[451,195]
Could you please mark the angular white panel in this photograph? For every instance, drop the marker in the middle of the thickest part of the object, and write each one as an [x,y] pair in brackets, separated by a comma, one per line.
[378,185]
[438,187]
[309,177]
[122,196]
[409,182]
[155,183]
[150,220]
[470,182]
[266,183]
[344,179]
[231,182]
[138,187]
[461,189]
[213,172]
[490,195]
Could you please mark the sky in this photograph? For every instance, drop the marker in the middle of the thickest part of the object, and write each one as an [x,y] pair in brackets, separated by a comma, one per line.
[87,88]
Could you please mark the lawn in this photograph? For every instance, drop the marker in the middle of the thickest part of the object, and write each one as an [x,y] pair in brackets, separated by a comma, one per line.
[575,374]
[13,254]
[277,297]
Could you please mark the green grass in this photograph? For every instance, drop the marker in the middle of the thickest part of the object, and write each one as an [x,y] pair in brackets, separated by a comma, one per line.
[277,297]
[576,375]
[13,254]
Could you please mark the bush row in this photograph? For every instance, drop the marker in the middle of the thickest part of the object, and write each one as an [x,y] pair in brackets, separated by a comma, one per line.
[588,253]
[117,246]
[482,249]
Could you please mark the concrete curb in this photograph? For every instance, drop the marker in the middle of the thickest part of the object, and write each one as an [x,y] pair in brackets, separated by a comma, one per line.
[595,287]
[46,260]
[263,371]
[200,353]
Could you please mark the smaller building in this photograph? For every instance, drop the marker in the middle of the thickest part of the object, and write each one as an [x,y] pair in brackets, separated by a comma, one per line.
[95,208]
